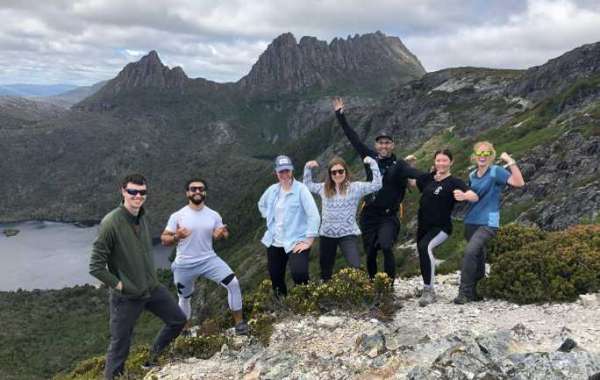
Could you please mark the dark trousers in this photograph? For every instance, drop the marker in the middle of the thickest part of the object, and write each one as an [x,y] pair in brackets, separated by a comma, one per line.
[328,251]
[380,232]
[277,260]
[473,265]
[124,312]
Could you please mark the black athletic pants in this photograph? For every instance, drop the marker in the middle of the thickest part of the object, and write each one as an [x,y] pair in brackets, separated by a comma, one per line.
[277,260]
[380,232]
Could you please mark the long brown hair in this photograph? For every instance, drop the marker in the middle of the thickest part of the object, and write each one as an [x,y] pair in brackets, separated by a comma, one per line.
[329,184]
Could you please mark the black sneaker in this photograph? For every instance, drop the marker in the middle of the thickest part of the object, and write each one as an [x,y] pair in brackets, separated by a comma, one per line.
[241,328]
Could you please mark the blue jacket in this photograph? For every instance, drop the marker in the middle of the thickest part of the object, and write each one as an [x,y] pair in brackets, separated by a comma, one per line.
[301,218]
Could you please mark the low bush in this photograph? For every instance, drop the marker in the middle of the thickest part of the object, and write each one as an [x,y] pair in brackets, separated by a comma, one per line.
[512,237]
[558,267]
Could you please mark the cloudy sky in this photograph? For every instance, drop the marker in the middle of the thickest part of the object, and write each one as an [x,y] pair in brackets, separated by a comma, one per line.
[83,42]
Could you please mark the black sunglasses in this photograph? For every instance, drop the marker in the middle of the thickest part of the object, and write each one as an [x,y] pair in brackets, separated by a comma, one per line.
[339,171]
[196,189]
[135,192]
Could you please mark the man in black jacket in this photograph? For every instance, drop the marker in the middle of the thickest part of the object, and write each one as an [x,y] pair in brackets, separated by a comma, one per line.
[379,220]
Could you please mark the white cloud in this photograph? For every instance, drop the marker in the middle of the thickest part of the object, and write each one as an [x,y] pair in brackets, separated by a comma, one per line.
[84,41]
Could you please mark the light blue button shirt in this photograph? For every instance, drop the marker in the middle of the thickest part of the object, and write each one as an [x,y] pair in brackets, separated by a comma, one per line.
[301,217]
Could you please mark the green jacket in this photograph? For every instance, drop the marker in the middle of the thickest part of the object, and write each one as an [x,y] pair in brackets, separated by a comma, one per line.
[123,252]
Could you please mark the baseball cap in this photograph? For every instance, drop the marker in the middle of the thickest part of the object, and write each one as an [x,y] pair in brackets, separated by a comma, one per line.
[283,163]
[384,135]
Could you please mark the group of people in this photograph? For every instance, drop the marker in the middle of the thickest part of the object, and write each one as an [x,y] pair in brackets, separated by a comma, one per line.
[122,256]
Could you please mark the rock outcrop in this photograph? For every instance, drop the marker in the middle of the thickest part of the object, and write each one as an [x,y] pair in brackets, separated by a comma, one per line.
[483,340]
[371,59]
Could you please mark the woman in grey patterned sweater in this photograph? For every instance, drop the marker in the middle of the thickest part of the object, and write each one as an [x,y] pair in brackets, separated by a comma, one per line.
[340,198]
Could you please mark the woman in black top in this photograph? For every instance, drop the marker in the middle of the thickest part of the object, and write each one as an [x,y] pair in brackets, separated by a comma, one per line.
[439,192]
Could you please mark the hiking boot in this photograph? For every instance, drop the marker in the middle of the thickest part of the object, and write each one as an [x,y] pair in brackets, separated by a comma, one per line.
[241,328]
[428,297]
[462,299]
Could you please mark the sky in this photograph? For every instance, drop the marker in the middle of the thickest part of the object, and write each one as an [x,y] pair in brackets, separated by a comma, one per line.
[85,41]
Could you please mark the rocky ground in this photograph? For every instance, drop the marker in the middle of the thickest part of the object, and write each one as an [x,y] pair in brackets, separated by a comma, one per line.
[483,340]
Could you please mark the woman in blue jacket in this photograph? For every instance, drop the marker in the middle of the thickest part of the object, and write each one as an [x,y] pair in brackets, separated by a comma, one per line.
[292,224]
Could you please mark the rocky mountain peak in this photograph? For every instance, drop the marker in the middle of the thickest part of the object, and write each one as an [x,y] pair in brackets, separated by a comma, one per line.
[290,66]
[149,71]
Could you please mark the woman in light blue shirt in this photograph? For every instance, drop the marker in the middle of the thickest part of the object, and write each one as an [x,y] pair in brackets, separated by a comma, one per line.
[292,224]
[483,217]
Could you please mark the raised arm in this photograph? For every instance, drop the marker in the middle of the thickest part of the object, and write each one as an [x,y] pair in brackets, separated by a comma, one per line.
[359,146]
[377,181]
[307,177]
[516,177]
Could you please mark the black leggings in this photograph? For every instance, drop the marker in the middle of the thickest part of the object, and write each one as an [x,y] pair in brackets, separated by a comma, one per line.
[328,245]
[277,260]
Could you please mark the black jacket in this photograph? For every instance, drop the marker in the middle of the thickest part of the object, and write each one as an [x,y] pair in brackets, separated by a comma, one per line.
[395,174]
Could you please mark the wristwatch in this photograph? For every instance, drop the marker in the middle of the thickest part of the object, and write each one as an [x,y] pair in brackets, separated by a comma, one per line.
[175,238]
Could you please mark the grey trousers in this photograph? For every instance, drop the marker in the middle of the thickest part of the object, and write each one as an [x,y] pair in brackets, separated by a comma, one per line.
[349,247]
[473,265]
[124,312]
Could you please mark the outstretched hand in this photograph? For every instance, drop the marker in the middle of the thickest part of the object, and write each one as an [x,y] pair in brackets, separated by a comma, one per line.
[338,104]
[312,164]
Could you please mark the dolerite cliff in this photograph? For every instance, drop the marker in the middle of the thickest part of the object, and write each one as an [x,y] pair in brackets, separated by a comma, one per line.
[482,340]
[367,61]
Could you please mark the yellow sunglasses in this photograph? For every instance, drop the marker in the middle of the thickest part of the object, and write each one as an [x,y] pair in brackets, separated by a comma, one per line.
[484,153]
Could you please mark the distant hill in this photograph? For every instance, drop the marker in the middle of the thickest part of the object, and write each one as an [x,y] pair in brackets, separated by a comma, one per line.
[68,98]
[29,90]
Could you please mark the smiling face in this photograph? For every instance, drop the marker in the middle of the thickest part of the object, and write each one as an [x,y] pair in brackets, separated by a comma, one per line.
[196,192]
[134,196]
[338,174]
[284,176]
[384,147]
[442,163]
[484,154]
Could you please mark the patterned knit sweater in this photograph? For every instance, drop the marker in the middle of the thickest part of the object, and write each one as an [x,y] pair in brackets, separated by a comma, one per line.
[339,212]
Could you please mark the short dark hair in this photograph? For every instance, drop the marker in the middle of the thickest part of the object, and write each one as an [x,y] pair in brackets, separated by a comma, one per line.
[195,179]
[445,152]
[135,178]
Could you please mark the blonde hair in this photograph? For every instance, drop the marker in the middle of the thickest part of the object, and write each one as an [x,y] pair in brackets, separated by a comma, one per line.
[489,145]
[329,184]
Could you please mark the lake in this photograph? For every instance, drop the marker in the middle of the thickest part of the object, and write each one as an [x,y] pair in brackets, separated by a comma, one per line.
[51,255]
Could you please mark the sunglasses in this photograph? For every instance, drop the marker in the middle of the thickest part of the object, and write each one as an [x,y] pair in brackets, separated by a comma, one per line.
[135,192]
[484,153]
[197,189]
[337,172]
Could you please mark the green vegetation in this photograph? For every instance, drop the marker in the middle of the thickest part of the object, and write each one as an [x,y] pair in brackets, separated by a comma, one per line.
[533,267]
[349,289]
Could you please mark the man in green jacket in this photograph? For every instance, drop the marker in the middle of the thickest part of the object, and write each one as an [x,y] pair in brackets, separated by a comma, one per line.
[122,259]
